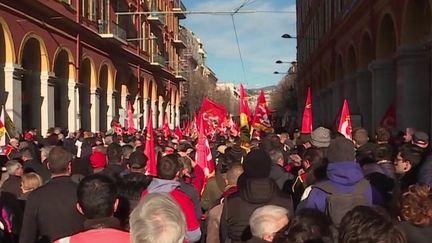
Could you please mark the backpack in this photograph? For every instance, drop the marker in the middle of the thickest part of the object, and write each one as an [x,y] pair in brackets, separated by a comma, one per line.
[338,204]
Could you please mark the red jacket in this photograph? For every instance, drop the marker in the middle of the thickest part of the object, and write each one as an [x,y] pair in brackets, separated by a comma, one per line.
[172,188]
[105,235]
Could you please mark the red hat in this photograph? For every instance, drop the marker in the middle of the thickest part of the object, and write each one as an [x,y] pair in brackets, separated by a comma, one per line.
[98,160]
[28,136]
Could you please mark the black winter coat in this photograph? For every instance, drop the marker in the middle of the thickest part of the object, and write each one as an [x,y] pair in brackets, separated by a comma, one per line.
[252,194]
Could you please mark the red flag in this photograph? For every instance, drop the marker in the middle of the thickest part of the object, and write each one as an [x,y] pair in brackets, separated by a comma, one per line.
[130,118]
[306,127]
[345,126]
[165,127]
[203,153]
[150,147]
[211,113]
[117,128]
[245,113]
[389,119]
[178,133]
[261,119]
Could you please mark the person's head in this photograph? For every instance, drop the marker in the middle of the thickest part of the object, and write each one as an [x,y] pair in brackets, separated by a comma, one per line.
[365,224]
[30,181]
[360,136]
[284,137]
[138,143]
[186,166]
[59,161]
[127,149]
[277,156]
[14,143]
[98,161]
[114,154]
[383,153]
[309,225]
[168,167]
[14,168]
[137,162]
[233,173]
[157,219]
[267,220]
[97,196]
[341,149]
[407,158]
[416,205]
[45,152]
[409,132]
[320,137]
[257,164]
[420,139]
[26,154]
[382,135]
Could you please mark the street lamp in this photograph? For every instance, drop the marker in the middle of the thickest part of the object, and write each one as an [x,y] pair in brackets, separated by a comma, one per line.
[288,36]
[276,72]
[280,62]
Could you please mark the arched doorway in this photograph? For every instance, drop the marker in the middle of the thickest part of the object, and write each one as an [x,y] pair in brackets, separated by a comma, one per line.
[339,72]
[386,44]
[417,22]
[351,61]
[84,93]
[367,52]
[61,99]
[31,85]
[103,99]
[2,64]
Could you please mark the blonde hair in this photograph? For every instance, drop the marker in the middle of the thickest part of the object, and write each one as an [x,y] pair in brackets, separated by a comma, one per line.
[31,181]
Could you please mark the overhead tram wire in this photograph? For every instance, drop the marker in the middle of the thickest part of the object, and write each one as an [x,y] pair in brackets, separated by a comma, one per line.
[237,39]
[207,12]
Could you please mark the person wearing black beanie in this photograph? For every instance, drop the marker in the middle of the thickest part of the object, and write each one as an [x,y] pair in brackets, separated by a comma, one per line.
[255,189]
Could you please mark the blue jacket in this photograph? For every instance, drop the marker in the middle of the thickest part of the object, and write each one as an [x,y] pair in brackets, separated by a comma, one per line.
[344,176]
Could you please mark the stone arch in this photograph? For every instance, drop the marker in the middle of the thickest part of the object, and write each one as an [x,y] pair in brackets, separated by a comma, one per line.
[387,38]
[7,56]
[44,59]
[367,52]
[351,62]
[105,84]
[32,63]
[416,23]
[7,52]
[86,75]
[339,68]
[64,71]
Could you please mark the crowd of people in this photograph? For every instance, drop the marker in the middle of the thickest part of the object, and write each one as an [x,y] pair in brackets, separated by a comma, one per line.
[289,187]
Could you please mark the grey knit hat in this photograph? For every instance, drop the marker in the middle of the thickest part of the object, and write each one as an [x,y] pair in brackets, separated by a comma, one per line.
[320,137]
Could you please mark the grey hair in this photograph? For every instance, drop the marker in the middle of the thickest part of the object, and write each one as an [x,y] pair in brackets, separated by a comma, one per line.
[46,150]
[264,219]
[157,219]
[12,166]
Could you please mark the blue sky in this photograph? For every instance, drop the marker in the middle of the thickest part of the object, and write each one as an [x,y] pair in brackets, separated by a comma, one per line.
[259,37]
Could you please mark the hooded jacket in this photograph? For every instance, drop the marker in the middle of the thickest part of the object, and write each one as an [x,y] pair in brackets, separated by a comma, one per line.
[280,175]
[344,176]
[172,188]
[252,194]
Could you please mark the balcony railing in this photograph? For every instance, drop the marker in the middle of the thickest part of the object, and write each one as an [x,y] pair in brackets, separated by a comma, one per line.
[112,30]
[158,60]
[156,16]
[179,9]
[180,40]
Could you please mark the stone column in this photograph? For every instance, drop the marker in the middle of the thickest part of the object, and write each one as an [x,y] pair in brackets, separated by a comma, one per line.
[364,97]
[73,108]
[413,88]
[177,115]
[47,107]
[337,98]
[161,112]
[123,106]
[137,112]
[94,109]
[13,78]
[350,93]
[111,108]
[154,106]
[146,111]
[172,116]
[383,89]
